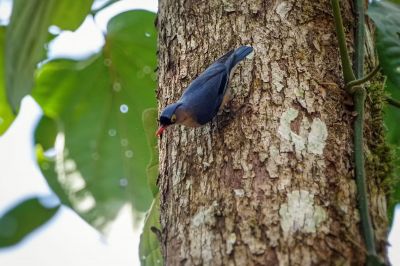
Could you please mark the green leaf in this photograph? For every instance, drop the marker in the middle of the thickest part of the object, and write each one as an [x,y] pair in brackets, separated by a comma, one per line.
[98,105]
[47,166]
[392,118]
[149,246]
[69,15]
[27,34]
[6,114]
[150,127]
[23,219]
[386,16]
[46,132]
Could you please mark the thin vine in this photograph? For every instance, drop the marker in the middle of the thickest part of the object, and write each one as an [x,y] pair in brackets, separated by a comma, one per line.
[393,102]
[353,83]
[360,81]
[105,5]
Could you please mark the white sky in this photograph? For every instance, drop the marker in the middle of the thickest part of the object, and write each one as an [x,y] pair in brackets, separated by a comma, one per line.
[67,240]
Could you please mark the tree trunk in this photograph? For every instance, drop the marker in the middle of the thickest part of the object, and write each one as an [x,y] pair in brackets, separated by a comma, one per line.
[271,182]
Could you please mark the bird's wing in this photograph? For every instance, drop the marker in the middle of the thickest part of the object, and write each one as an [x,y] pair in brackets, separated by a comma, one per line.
[212,80]
[204,95]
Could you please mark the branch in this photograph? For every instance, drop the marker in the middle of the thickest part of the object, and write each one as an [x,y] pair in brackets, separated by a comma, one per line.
[368,232]
[105,5]
[359,95]
[348,73]
[393,102]
[360,39]
[360,81]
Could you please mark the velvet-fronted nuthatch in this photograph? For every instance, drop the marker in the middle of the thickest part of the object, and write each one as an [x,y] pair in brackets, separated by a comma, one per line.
[206,95]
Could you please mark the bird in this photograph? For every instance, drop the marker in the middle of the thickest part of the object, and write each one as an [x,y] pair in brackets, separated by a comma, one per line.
[205,95]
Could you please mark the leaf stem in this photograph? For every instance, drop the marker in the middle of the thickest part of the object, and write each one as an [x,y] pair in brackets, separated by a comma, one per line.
[359,95]
[348,73]
[105,5]
[359,99]
[393,102]
[369,76]
[360,39]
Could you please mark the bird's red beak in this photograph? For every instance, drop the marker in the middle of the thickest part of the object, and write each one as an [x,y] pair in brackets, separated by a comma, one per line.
[160,130]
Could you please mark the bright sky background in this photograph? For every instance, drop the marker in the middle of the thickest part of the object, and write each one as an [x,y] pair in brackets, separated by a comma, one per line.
[67,240]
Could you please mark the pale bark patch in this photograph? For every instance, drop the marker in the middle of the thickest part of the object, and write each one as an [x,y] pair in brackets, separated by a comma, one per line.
[317,137]
[277,76]
[230,242]
[301,213]
[283,8]
[228,6]
[239,192]
[272,165]
[201,237]
[285,131]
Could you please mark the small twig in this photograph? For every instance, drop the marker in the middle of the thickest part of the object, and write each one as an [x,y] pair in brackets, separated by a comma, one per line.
[359,40]
[106,4]
[359,95]
[368,232]
[348,73]
[393,102]
[360,81]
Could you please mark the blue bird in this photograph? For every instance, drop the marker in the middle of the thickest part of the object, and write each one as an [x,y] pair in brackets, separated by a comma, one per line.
[206,95]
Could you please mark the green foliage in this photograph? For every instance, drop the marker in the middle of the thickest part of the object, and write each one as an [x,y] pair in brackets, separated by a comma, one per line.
[149,247]
[392,118]
[26,35]
[68,15]
[378,152]
[150,127]
[386,16]
[23,219]
[46,132]
[6,114]
[97,104]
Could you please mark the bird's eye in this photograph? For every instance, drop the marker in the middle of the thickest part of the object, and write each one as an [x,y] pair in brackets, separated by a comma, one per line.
[173,118]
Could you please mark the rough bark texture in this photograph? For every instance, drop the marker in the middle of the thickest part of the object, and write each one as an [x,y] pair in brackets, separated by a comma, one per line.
[271,181]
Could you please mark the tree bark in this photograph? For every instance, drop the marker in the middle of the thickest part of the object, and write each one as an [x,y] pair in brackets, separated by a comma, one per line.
[271,181]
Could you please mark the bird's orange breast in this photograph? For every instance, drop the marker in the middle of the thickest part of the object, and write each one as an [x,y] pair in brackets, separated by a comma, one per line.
[186,118]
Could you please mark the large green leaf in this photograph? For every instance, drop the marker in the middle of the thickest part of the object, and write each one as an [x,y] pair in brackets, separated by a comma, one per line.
[101,150]
[386,15]
[23,219]
[68,15]
[6,114]
[46,132]
[149,247]
[27,34]
[150,126]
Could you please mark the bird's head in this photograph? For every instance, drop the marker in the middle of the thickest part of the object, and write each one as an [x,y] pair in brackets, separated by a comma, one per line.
[167,117]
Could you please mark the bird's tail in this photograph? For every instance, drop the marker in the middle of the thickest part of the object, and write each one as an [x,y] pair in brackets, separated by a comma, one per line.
[233,57]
